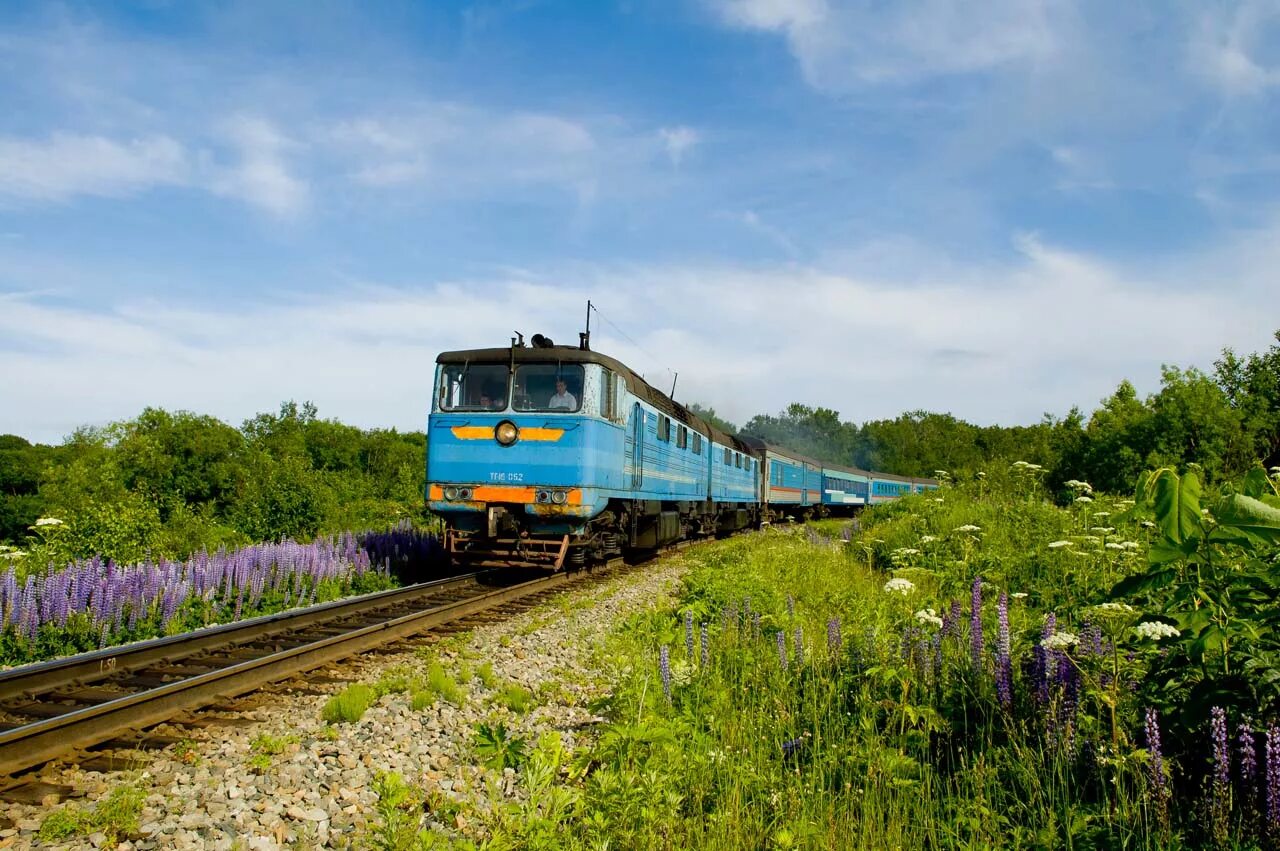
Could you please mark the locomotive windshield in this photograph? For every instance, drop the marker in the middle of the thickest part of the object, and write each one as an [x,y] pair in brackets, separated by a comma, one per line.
[548,387]
[472,387]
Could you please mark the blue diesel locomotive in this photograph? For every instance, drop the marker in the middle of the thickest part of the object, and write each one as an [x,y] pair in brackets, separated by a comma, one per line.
[554,456]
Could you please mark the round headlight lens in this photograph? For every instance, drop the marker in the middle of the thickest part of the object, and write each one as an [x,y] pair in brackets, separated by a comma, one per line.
[506,432]
[464,493]
[559,497]
[450,493]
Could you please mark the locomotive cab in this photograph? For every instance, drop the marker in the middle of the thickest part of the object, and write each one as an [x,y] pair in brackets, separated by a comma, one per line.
[522,445]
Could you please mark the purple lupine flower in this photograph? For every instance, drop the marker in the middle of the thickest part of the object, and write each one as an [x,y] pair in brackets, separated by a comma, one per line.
[755,624]
[664,670]
[1221,750]
[833,635]
[950,619]
[782,649]
[1045,660]
[706,646]
[1004,661]
[1248,754]
[799,645]
[1155,770]
[975,624]
[1220,791]
[1273,781]
[791,606]
[688,635]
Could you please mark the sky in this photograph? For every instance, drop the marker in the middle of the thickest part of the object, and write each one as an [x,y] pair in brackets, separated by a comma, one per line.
[997,209]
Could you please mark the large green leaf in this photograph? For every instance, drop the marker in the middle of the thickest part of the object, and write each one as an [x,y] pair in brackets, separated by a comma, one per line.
[1177,505]
[1249,515]
[1257,484]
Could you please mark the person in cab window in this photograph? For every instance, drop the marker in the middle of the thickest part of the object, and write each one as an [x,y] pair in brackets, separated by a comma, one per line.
[489,400]
[563,398]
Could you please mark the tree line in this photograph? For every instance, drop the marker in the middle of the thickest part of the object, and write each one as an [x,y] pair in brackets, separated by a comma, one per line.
[171,483]
[1225,421]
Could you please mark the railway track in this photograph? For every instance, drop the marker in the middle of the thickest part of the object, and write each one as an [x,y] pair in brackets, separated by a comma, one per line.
[61,708]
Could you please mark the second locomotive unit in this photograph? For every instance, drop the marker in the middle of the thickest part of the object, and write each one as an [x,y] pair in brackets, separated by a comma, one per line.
[558,455]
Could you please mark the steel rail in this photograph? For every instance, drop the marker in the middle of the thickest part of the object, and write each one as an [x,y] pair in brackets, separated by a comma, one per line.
[40,677]
[38,742]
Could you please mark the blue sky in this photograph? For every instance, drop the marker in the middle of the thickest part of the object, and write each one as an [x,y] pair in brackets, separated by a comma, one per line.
[996,209]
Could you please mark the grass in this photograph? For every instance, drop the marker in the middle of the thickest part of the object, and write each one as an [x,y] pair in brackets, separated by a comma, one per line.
[515,698]
[865,695]
[349,705]
[115,816]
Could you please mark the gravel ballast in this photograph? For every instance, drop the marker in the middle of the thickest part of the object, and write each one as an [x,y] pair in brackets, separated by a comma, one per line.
[318,791]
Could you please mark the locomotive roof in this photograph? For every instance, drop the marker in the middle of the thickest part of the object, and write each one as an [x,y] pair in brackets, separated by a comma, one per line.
[572,354]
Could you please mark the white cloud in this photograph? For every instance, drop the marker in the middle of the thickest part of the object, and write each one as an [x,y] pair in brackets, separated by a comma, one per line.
[66,165]
[1224,45]
[851,44]
[456,148]
[262,176]
[1052,329]
[678,141]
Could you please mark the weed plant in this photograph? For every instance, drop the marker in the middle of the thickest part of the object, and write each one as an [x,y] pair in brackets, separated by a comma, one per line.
[977,667]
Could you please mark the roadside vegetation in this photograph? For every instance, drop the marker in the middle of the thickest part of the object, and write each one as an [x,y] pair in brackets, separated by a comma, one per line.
[971,668]
[168,485]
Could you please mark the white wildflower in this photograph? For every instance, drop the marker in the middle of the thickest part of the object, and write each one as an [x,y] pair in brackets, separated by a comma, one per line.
[1102,514]
[968,527]
[1147,524]
[906,551]
[1130,545]
[927,539]
[936,499]
[1077,485]
[49,521]
[898,585]
[1018,595]
[980,474]
[1090,539]
[1155,630]
[1059,641]
[1106,530]
[1084,499]
[1057,545]
[929,617]
[1112,545]
[1114,608]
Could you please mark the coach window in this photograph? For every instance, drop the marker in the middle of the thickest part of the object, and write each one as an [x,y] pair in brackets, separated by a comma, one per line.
[737,460]
[682,437]
[548,387]
[697,443]
[664,428]
[728,458]
[472,387]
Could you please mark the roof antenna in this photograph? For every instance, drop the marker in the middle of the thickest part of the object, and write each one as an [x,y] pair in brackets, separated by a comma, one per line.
[675,378]
[584,337]
[517,342]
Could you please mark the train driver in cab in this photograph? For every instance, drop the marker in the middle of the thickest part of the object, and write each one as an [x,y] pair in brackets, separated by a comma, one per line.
[563,398]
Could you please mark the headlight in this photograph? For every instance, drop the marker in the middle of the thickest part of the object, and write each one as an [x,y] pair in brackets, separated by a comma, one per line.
[450,493]
[542,496]
[506,432]
[464,493]
[559,497]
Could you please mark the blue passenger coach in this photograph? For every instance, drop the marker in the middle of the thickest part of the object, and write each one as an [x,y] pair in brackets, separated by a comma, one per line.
[555,455]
